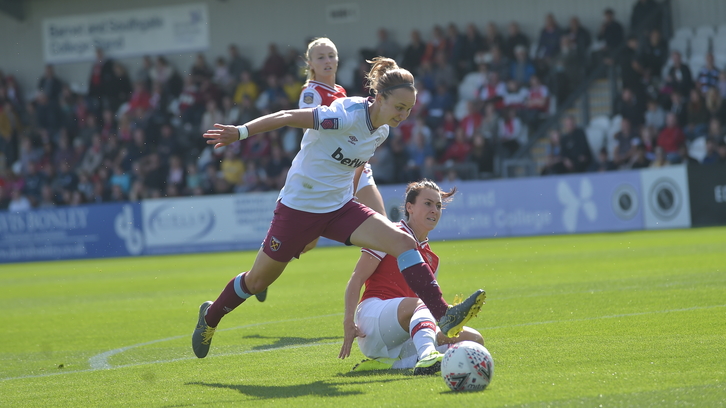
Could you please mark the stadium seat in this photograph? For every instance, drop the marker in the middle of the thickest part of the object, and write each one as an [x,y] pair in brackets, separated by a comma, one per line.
[596,138]
[679,44]
[705,31]
[683,32]
[719,45]
[601,122]
[700,45]
[696,62]
[697,148]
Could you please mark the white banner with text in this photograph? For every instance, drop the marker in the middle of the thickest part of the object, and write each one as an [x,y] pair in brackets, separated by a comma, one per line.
[161,30]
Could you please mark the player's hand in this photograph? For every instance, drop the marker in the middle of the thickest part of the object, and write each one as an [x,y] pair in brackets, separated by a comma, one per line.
[223,135]
[351,332]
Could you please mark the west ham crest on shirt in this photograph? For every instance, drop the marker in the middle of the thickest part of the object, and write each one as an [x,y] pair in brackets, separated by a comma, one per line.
[307,97]
[330,123]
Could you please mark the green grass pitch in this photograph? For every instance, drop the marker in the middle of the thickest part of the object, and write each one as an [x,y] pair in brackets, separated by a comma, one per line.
[632,319]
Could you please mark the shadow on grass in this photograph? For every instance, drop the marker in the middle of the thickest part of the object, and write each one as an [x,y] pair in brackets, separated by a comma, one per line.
[286,341]
[317,388]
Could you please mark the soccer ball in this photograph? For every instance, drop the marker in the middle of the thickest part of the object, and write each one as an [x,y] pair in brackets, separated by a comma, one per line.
[467,366]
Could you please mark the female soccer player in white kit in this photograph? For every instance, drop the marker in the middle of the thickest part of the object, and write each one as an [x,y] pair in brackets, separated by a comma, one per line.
[321,89]
[317,198]
[394,328]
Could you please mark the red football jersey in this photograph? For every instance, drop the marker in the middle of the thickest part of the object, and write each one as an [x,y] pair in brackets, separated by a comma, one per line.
[317,93]
[387,282]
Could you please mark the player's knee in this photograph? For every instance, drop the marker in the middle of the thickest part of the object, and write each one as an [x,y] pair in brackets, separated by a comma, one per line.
[403,243]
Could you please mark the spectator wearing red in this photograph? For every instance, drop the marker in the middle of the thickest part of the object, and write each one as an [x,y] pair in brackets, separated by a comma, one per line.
[458,151]
[671,138]
[472,121]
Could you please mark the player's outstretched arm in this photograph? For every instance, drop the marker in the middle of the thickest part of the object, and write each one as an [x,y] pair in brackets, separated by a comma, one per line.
[224,135]
[365,267]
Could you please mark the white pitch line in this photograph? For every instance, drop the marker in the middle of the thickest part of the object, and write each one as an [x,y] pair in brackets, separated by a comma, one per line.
[100,361]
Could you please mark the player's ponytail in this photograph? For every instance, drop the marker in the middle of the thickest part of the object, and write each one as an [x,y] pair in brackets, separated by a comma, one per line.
[385,76]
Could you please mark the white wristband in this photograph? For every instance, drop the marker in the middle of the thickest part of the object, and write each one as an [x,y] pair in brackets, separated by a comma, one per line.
[243,132]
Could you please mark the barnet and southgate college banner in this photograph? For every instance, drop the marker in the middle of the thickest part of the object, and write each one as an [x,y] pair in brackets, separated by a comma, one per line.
[130,33]
[582,203]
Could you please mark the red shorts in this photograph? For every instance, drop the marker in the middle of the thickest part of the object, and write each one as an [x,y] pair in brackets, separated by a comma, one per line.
[291,230]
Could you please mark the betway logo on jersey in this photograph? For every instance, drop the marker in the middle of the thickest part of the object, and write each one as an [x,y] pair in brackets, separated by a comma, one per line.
[338,155]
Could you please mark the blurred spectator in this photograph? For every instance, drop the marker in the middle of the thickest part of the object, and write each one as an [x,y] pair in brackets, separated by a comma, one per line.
[162,71]
[458,150]
[659,158]
[246,87]
[498,63]
[521,69]
[493,91]
[625,139]
[237,63]
[18,202]
[514,38]
[640,160]
[271,99]
[49,84]
[679,78]
[698,115]
[277,167]
[671,138]
[712,156]
[143,73]
[471,122]
[685,156]
[211,115]
[516,96]
[537,103]
[715,105]
[493,37]
[548,45]
[554,163]
[93,156]
[642,9]
[414,52]
[679,108]
[443,72]
[193,180]
[437,43]
[274,64]
[603,162]
[580,38]
[232,167]
[568,69]
[119,89]
[471,43]
[722,84]
[575,149]
[654,115]
[510,132]
[222,76]
[708,75]
[611,33]
[715,129]
[200,69]
[441,101]
[630,107]
[654,54]
[291,86]
[482,154]
[387,47]
[631,69]
[100,82]
[139,98]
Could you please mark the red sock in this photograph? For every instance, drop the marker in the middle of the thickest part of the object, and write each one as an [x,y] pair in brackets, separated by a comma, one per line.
[422,281]
[227,301]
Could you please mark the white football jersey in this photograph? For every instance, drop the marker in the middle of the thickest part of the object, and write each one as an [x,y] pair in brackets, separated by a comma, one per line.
[320,179]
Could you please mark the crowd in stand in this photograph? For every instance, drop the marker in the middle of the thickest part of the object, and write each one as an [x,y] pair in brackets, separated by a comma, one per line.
[136,133]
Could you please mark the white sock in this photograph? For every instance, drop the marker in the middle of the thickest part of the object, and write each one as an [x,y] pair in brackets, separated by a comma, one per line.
[423,331]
